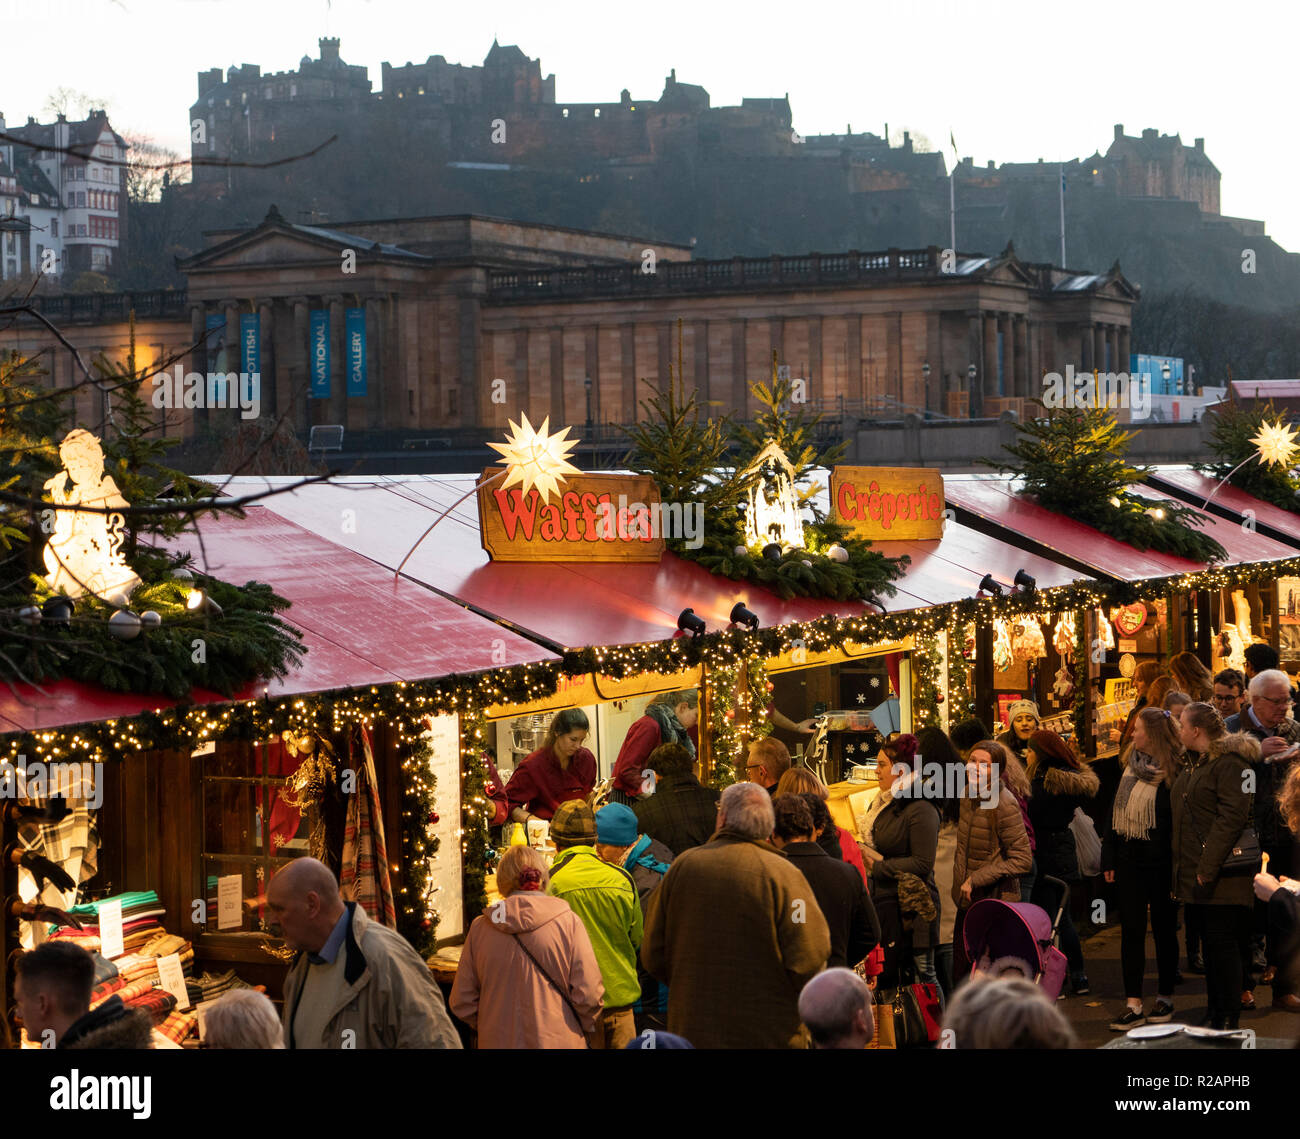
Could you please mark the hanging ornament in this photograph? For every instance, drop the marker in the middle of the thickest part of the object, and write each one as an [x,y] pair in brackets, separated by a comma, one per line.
[740,551]
[1063,685]
[1104,630]
[1027,639]
[770,686]
[838,553]
[1130,618]
[938,697]
[731,713]
[1063,635]
[1003,657]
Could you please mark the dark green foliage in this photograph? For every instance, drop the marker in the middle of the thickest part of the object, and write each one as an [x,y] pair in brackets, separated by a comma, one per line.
[693,459]
[1230,440]
[1074,463]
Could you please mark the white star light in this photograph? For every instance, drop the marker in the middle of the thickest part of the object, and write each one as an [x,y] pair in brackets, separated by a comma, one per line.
[862,697]
[1276,444]
[535,458]
[848,749]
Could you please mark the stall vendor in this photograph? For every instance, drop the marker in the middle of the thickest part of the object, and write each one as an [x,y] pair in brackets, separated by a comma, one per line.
[560,770]
[1023,718]
[668,719]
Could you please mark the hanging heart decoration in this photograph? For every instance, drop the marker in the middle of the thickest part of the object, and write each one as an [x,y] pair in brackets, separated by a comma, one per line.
[1131,618]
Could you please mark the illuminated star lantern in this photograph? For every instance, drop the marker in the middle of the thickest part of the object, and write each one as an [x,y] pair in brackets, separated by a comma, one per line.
[535,458]
[1276,444]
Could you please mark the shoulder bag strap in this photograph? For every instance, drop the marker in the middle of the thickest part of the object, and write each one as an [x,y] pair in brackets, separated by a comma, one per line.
[553,982]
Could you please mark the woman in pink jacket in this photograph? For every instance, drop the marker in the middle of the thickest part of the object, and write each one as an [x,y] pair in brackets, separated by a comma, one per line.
[528,976]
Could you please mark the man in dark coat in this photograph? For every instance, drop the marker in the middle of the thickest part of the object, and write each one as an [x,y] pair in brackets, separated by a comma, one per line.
[54,983]
[681,813]
[735,933]
[837,886]
[1268,719]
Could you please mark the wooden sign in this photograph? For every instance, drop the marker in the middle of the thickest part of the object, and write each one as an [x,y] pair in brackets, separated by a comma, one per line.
[884,503]
[593,518]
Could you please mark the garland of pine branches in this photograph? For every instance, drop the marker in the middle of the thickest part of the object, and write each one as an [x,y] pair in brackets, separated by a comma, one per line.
[1073,463]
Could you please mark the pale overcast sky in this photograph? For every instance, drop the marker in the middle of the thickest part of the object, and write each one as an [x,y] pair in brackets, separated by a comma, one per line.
[1013,80]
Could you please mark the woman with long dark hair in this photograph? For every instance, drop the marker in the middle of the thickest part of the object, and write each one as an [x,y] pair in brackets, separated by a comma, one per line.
[1058,783]
[1211,808]
[560,770]
[1192,677]
[905,832]
[936,748]
[1137,855]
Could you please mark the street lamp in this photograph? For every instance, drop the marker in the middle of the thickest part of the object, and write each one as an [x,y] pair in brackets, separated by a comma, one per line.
[1166,371]
[925,385]
[587,384]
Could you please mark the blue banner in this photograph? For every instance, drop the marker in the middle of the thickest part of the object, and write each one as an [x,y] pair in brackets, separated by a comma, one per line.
[250,342]
[218,356]
[355,328]
[318,353]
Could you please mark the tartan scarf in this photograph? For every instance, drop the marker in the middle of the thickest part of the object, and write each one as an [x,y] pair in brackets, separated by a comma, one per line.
[364,877]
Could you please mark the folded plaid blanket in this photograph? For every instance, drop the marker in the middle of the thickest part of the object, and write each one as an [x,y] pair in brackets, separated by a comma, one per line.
[178,1025]
[163,943]
[105,970]
[133,989]
[156,1002]
[106,989]
[88,938]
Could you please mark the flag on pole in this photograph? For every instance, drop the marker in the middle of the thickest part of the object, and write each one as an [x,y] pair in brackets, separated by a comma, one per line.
[952,140]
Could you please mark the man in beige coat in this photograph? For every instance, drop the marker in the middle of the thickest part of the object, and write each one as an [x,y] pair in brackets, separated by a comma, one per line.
[735,933]
[355,983]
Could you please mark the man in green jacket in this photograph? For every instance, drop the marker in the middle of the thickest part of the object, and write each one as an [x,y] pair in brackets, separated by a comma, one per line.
[606,900]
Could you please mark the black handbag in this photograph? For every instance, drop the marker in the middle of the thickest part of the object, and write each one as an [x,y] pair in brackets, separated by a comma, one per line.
[1244,857]
[916,1014]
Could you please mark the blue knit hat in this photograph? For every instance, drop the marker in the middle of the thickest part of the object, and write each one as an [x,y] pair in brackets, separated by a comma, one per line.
[616,825]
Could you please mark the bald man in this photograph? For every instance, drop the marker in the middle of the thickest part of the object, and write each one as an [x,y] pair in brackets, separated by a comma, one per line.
[835,1006]
[355,983]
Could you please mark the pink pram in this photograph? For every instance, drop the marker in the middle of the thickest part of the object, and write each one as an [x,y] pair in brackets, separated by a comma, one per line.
[1004,938]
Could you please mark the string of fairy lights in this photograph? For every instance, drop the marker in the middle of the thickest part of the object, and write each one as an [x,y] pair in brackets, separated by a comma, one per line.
[405,704]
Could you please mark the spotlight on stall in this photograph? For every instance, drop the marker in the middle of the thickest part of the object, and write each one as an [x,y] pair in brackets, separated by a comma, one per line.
[198,601]
[742,616]
[1025,582]
[688,622]
[772,551]
[57,610]
[989,585]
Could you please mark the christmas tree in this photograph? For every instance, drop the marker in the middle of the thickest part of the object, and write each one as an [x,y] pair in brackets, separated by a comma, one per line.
[1073,463]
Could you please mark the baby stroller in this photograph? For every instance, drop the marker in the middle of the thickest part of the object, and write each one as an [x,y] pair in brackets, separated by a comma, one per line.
[1005,938]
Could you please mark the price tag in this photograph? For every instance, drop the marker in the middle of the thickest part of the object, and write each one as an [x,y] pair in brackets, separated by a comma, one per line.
[110,929]
[172,977]
[1127,646]
[230,901]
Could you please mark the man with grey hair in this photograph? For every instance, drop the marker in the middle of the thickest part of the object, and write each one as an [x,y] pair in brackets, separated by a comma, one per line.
[355,983]
[735,933]
[835,1007]
[1268,719]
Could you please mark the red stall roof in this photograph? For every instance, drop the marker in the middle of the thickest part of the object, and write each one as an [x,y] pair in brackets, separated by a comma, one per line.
[576,605]
[1194,487]
[992,499]
[359,625]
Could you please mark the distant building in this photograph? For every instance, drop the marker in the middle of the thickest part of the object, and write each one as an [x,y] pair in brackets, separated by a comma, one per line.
[71,204]
[464,322]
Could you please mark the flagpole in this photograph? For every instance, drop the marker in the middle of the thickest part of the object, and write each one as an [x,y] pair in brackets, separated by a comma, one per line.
[952,208]
[1062,215]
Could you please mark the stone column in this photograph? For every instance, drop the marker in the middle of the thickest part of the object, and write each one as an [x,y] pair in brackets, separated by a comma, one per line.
[1125,348]
[558,417]
[975,355]
[989,373]
[739,389]
[853,388]
[295,380]
[189,422]
[1008,328]
[591,354]
[819,387]
[630,412]
[1099,346]
[374,410]
[1020,334]
[1086,347]
[467,358]
[703,383]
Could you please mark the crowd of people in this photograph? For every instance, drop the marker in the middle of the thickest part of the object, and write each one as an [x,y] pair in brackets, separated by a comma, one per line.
[676,915]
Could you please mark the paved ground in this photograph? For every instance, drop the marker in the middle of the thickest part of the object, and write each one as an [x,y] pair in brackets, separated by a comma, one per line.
[1090,1015]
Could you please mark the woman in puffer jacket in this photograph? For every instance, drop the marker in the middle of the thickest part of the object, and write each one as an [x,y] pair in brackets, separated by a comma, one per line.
[992,846]
[1212,806]
[1058,783]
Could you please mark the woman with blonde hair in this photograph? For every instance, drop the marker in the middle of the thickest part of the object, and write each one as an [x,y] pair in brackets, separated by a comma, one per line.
[1143,675]
[1137,855]
[1192,677]
[835,840]
[528,975]
[1211,809]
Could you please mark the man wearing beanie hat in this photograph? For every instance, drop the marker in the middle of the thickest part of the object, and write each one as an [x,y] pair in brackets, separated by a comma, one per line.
[619,843]
[605,898]
[1023,718]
